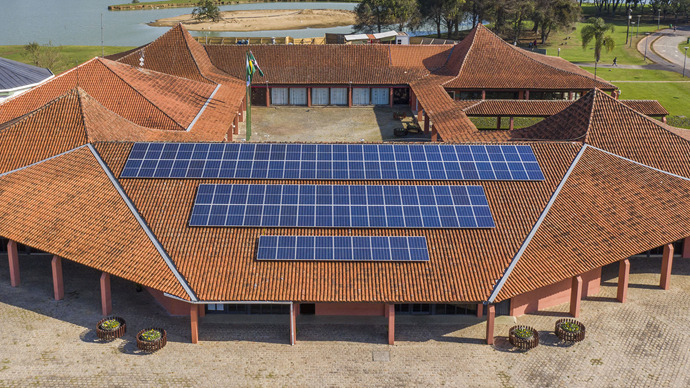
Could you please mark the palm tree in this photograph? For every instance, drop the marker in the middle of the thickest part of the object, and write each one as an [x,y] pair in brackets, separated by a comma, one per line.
[598,30]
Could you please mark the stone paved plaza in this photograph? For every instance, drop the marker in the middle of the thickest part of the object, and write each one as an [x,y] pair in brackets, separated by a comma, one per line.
[643,342]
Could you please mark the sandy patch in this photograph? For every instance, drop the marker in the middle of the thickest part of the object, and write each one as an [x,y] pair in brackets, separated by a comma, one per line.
[265,20]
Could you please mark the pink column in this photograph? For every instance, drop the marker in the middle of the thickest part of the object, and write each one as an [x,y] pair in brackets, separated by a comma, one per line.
[236,124]
[663,119]
[483,94]
[268,96]
[349,97]
[308,97]
[575,296]
[526,94]
[194,320]
[390,97]
[521,94]
[58,286]
[390,308]
[434,133]
[666,264]
[623,276]
[498,122]
[106,300]
[480,310]
[13,258]
[686,248]
[490,318]
[293,325]
[202,310]
[512,123]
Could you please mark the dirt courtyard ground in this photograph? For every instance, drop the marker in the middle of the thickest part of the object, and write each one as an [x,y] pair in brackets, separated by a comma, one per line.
[333,124]
[642,343]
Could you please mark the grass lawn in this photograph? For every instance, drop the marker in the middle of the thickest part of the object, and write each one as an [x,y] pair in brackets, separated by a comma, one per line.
[490,122]
[618,74]
[682,46]
[70,56]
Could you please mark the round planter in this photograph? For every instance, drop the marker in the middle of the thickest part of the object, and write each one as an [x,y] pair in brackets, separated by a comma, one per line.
[153,345]
[570,336]
[523,343]
[111,334]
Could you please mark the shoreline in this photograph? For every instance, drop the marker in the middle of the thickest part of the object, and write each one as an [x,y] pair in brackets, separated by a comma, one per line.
[264,20]
[191,4]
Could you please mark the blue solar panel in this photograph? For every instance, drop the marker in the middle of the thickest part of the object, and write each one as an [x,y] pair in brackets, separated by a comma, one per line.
[328,206]
[342,248]
[332,161]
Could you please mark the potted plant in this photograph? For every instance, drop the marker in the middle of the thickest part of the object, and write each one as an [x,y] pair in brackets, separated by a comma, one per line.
[110,328]
[570,330]
[523,337]
[151,339]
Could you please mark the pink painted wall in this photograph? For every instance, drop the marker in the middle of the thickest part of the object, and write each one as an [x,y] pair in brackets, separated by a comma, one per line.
[554,294]
[378,309]
[172,306]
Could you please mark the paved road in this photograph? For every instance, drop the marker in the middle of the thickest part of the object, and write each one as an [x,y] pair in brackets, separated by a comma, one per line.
[662,48]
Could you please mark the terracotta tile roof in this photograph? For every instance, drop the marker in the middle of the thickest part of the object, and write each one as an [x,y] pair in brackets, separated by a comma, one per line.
[523,108]
[55,128]
[608,209]
[153,100]
[176,53]
[67,206]
[646,107]
[447,117]
[544,108]
[491,63]
[600,120]
[220,264]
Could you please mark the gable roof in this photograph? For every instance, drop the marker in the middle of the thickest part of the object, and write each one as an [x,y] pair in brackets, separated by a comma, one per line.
[17,75]
[609,209]
[604,122]
[543,108]
[488,62]
[69,207]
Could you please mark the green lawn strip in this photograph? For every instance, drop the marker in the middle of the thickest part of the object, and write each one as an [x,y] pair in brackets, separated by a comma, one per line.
[490,122]
[70,56]
[673,96]
[682,46]
[618,74]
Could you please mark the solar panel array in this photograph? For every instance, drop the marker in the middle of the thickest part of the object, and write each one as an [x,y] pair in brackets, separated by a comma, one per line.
[342,248]
[332,161]
[348,206]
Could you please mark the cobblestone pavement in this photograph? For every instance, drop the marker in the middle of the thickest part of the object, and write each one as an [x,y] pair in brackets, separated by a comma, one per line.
[643,342]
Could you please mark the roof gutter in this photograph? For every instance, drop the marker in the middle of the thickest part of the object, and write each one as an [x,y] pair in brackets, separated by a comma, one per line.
[535,228]
[203,108]
[226,301]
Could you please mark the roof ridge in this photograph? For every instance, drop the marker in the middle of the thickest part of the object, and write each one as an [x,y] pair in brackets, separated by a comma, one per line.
[191,54]
[142,223]
[464,60]
[79,92]
[641,164]
[536,226]
[43,160]
[590,115]
[138,92]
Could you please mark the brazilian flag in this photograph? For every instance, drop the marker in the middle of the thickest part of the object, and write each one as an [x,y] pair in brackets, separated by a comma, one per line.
[252,67]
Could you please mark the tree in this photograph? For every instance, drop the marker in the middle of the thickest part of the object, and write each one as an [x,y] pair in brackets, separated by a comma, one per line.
[372,14]
[597,30]
[206,9]
[552,15]
[46,56]
[405,13]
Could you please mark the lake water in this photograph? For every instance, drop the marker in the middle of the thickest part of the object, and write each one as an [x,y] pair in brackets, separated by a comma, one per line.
[78,22]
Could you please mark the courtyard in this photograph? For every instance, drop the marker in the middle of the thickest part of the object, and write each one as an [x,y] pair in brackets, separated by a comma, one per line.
[306,124]
[642,342]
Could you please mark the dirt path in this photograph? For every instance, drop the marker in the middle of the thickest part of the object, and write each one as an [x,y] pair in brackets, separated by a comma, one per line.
[265,20]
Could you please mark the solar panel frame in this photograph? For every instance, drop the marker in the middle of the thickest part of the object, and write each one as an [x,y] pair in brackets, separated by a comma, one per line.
[343,248]
[332,161]
[341,206]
